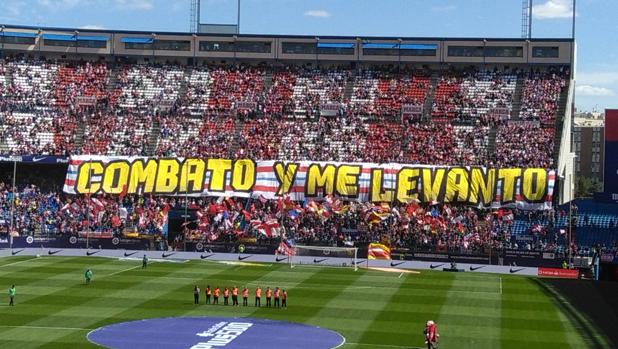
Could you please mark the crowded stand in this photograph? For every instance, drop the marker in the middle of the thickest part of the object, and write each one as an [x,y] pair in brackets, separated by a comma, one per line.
[475,96]
[382,93]
[422,227]
[541,93]
[169,109]
[524,144]
[264,113]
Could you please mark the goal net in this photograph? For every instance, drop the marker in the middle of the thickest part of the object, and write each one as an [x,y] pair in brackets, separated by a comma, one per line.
[320,255]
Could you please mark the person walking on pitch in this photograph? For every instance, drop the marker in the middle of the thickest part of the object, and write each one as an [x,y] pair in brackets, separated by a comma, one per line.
[269,295]
[258,297]
[144,262]
[12,295]
[431,335]
[88,276]
[277,294]
[235,296]
[245,296]
[284,299]
[196,295]
[208,293]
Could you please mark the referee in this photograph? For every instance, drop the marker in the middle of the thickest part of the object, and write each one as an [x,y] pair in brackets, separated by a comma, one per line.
[196,295]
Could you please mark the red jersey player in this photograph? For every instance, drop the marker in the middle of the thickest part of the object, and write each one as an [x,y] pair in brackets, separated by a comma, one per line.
[431,335]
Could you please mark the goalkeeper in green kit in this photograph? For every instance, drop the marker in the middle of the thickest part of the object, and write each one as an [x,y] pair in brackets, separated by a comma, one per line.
[88,276]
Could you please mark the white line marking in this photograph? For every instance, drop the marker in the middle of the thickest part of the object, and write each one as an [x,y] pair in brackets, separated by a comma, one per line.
[400,275]
[500,285]
[122,271]
[25,260]
[383,345]
[48,327]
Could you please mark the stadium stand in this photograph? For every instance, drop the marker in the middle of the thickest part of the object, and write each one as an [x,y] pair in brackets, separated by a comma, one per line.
[167,109]
[240,110]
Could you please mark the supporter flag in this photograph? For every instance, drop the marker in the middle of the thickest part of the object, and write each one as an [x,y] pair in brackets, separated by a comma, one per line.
[285,249]
[378,251]
[124,191]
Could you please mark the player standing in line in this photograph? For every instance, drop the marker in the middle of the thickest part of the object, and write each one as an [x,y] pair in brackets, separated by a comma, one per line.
[269,295]
[235,296]
[88,276]
[144,262]
[196,295]
[245,296]
[284,299]
[277,294]
[258,297]
[12,295]
[215,297]
[208,292]
[226,295]
[431,335]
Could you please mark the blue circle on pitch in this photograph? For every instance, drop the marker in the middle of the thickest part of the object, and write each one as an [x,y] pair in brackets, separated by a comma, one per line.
[213,332]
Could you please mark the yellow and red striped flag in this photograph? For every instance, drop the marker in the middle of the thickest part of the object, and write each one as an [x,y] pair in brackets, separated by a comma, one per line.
[378,251]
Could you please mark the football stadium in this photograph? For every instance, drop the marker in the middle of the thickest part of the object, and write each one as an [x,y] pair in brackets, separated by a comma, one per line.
[214,189]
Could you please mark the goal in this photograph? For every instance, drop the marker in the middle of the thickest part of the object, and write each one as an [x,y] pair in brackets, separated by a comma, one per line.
[320,255]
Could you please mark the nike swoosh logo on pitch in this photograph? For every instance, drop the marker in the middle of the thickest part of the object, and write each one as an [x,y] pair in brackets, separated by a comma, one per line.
[393,264]
[243,258]
[167,255]
[435,266]
[280,259]
[16,252]
[206,256]
[88,253]
[476,268]
[513,271]
[319,260]
[50,252]
[129,254]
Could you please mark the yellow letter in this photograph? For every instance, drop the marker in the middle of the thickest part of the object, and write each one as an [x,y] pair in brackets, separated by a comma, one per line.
[243,176]
[218,169]
[482,186]
[509,178]
[320,179]
[142,176]
[167,176]
[457,185]
[85,184]
[378,192]
[347,180]
[192,171]
[116,176]
[407,184]
[433,180]
[285,176]
[533,187]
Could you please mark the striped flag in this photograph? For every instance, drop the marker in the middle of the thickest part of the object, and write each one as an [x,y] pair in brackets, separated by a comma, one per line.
[378,251]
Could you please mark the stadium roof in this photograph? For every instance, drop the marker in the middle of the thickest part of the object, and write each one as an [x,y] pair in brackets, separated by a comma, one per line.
[364,38]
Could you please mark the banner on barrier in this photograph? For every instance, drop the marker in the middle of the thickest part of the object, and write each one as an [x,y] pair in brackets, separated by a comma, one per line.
[529,188]
[559,273]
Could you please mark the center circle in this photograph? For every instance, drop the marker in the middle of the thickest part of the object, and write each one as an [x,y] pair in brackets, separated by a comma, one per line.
[213,332]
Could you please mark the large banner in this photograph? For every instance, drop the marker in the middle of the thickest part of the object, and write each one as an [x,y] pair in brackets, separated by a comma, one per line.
[610,179]
[528,188]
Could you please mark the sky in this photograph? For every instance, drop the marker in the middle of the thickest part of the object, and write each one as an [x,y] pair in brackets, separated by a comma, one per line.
[597,27]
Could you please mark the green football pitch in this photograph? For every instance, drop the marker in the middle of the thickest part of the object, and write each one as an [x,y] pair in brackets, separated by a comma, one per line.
[371,309]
